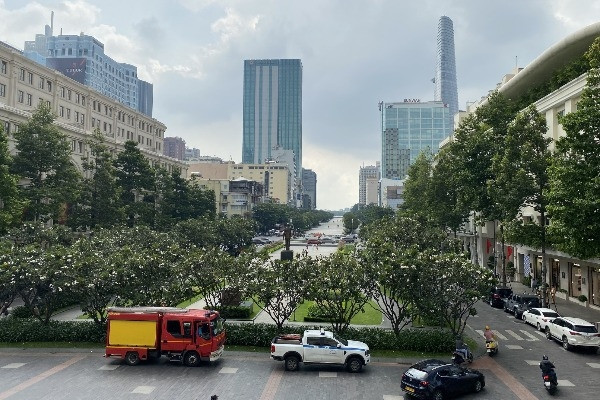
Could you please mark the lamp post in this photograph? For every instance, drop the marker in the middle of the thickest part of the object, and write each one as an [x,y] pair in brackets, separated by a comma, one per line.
[352,227]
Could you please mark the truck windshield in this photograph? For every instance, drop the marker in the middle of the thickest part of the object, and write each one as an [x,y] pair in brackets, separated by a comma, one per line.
[217,326]
[342,341]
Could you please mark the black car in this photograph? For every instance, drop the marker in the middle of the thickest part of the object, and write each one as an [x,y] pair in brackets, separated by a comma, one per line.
[438,380]
[521,302]
[498,295]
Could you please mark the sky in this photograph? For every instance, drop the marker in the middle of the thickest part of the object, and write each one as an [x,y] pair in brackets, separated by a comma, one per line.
[355,53]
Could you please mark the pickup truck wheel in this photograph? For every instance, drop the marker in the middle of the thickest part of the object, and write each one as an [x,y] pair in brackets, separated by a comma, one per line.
[548,335]
[191,359]
[291,363]
[132,358]
[354,364]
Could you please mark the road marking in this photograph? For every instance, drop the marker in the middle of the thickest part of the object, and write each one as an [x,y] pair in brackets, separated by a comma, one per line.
[540,333]
[532,362]
[511,333]
[272,385]
[510,381]
[529,335]
[228,370]
[499,335]
[109,367]
[392,397]
[480,332]
[14,365]
[514,347]
[564,382]
[327,374]
[32,381]
[594,365]
[143,389]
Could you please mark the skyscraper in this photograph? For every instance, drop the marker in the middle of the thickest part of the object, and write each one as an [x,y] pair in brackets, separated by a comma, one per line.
[272,113]
[445,67]
[407,128]
[309,187]
[370,172]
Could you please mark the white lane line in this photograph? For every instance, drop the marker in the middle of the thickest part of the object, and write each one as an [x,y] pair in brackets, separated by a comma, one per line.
[514,347]
[143,389]
[511,333]
[108,367]
[228,370]
[14,365]
[564,382]
[594,365]
[392,397]
[532,362]
[327,374]
[480,332]
[529,335]
[540,333]
[499,335]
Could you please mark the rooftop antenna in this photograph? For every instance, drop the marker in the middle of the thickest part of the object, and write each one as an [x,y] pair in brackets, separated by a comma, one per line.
[52,23]
[516,62]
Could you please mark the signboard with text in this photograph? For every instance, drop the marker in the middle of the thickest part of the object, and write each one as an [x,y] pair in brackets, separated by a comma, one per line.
[73,67]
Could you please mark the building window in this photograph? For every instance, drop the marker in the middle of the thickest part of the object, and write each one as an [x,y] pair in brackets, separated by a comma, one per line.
[29,99]
[82,119]
[78,98]
[41,83]
[30,78]
[22,75]
[49,86]
[68,113]
[93,122]
[2,90]
[4,65]
[61,111]
[69,94]
[48,104]
[76,116]
[83,100]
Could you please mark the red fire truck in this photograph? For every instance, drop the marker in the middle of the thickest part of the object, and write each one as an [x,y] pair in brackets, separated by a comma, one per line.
[142,333]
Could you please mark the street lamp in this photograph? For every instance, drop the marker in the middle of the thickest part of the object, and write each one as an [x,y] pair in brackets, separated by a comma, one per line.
[352,228]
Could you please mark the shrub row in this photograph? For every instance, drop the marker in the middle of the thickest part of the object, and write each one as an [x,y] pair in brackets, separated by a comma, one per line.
[234,312]
[16,330]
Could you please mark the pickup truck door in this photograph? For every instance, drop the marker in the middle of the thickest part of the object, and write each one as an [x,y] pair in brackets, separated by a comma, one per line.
[313,349]
[331,353]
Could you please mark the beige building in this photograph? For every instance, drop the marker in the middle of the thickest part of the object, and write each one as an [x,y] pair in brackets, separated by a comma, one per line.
[274,178]
[232,197]
[24,84]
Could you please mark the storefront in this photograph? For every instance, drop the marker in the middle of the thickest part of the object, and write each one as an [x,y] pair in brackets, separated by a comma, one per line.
[555,273]
[595,290]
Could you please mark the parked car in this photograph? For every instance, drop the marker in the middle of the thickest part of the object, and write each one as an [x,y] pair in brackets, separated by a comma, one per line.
[521,302]
[573,332]
[539,317]
[439,380]
[313,240]
[498,295]
[327,239]
[260,240]
[349,239]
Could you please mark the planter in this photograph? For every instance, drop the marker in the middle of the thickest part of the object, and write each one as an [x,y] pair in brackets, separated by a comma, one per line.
[576,301]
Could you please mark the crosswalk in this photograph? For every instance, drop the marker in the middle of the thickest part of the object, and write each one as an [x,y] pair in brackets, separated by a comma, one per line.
[520,335]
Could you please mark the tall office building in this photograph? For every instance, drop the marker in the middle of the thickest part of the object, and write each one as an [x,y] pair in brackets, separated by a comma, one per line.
[446,89]
[309,189]
[174,147]
[408,128]
[272,113]
[82,58]
[368,173]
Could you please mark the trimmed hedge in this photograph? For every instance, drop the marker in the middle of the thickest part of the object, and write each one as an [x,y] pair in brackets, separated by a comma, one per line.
[17,330]
[235,312]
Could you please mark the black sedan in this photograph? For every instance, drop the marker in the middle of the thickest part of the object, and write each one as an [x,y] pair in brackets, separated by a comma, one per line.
[438,380]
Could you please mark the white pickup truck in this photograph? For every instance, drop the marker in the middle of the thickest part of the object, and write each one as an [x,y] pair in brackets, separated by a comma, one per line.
[319,347]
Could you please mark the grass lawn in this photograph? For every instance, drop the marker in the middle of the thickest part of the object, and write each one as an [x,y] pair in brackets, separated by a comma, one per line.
[186,303]
[371,316]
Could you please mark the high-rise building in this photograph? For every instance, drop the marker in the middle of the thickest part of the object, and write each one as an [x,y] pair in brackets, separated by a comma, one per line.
[309,189]
[364,174]
[82,58]
[174,147]
[407,128]
[272,111]
[446,89]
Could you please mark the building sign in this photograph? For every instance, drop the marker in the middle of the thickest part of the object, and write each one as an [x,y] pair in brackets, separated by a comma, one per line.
[73,68]
[412,100]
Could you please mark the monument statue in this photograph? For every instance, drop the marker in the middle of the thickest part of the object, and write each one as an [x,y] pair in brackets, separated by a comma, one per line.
[287,235]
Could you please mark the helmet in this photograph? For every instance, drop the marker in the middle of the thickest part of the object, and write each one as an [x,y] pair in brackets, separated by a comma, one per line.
[545,358]
[487,327]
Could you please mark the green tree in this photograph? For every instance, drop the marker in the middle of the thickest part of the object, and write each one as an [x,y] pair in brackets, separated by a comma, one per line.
[98,202]
[418,185]
[44,160]
[135,176]
[278,286]
[340,288]
[11,204]
[574,183]
[268,215]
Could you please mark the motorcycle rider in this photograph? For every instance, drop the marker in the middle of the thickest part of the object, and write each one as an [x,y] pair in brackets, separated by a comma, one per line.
[547,368]
[488,334]
[461,348]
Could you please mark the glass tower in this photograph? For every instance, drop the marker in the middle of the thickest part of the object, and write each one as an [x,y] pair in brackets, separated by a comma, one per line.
[272,110]
[445,67]
[408,128]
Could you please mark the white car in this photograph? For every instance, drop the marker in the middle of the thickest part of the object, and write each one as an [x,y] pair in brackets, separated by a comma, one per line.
[539,317]
[573,332]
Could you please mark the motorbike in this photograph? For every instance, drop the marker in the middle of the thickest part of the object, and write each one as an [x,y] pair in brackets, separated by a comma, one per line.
[550,381]
[491,347]
[461,355]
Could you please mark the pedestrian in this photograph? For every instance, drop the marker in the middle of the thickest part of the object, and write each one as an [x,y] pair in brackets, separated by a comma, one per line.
[533,283]
[553,294]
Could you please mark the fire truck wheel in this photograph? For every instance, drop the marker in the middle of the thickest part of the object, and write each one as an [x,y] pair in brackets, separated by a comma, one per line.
[132,358]
[191,359]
